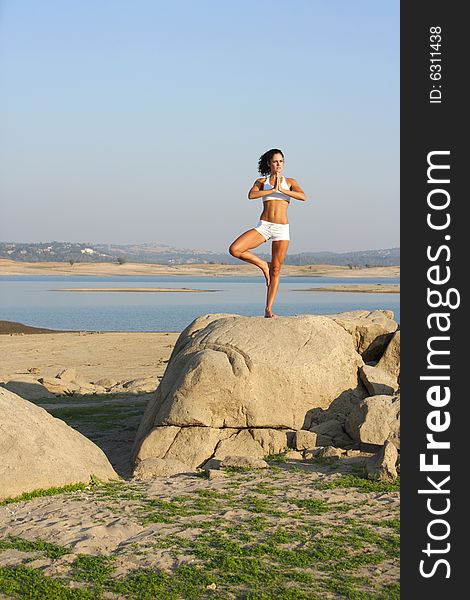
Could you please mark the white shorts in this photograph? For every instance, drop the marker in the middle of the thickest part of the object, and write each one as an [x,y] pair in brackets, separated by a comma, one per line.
[273,231]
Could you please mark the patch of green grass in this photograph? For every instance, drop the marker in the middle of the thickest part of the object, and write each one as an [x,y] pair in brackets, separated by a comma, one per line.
[277,458]
[93,569]
[258,523]
[23,582]
[147,584]
[284,592]
[157,510]
[52,491]
[391,523]
[50,550]
[363,484]
[264,488]
[260,505]
[346,586]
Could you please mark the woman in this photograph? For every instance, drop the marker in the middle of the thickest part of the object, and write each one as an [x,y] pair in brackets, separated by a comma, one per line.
[276,192]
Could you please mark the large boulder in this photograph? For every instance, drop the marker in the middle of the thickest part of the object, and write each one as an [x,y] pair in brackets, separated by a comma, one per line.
[375,420]
[383,378]
[242,386]
[38,451]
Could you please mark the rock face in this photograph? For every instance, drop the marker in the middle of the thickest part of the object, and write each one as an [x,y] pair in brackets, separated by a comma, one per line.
[375,420]
[232,371]
[383,377]
[39,451]
[371,330]
[244,386]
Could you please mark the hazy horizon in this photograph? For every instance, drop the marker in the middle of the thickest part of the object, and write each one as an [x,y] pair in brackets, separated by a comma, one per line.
[156,244]
[146,122]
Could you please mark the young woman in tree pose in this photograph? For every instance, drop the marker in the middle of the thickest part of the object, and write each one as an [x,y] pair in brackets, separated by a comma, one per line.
[276,192]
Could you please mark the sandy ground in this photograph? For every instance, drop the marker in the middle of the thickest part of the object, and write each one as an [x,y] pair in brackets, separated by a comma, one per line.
[94,355]
[11,267]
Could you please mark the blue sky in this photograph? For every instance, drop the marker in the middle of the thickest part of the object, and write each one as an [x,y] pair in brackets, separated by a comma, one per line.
[133,122]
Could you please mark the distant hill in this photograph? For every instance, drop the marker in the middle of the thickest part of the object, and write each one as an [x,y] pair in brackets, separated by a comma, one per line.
[162,254]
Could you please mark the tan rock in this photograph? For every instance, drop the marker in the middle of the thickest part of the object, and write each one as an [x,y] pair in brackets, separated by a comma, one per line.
[253,372]
[371,330]
[352,452]
[157,443]
[142,385]
[39,451]
[382,466]
[330,433]
[272,441]
[241,385]
[194,445]
[383,378]
[294,455]
[305,440]
[105,382]
[330,452]
[28,388]
[67,375]
[375,420]
[240,443]
[159,467]
[59,386]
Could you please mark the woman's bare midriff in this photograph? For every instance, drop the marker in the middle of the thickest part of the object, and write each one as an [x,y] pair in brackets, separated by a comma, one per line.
[275,211]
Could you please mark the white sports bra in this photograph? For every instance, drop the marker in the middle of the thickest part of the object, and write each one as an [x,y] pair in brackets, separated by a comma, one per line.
[276,195]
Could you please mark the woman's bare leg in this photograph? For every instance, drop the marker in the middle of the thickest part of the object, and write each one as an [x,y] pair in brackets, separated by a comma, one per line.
[279,251]
[247,241]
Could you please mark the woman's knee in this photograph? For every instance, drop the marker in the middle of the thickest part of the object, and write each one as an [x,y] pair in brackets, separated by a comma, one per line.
[275,269]
[234,250]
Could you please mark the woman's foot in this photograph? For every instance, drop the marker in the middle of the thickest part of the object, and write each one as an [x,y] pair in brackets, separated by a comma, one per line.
[266,273]
[268,314]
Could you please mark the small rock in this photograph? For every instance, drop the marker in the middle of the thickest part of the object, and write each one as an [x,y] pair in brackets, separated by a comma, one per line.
[330,452]
[305,440]
[67,375]
[144,384]
[59,386]
[105,382]
[215,474]
[211,586]
[375,419]
[212,464]
[294,455]
[382,466]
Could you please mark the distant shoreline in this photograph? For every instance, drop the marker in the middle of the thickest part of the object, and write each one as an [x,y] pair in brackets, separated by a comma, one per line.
[130,290]
[365,288]
[14,328]
[12,267]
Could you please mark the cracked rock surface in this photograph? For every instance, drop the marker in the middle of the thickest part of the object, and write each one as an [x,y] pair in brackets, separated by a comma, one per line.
[237,385]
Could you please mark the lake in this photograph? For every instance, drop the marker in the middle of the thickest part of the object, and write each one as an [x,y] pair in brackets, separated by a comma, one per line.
[36,301]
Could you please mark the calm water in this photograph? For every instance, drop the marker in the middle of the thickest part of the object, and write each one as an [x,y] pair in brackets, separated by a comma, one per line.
[36,300]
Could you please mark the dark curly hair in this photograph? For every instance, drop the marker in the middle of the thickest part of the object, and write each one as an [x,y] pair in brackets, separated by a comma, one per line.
[264,160]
